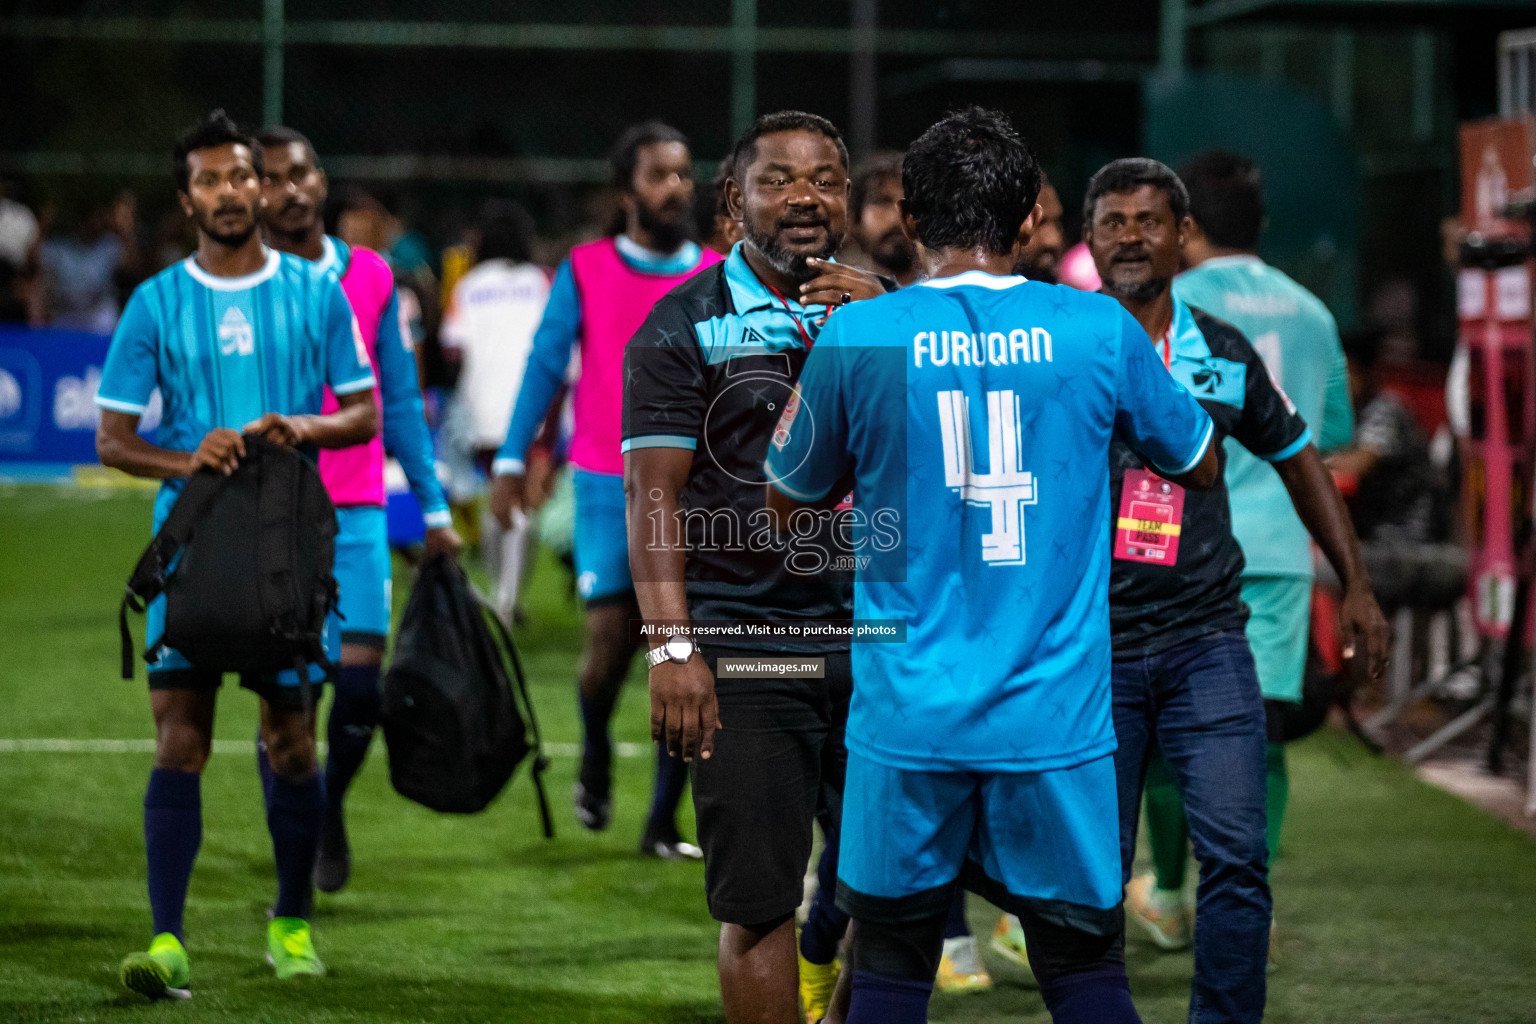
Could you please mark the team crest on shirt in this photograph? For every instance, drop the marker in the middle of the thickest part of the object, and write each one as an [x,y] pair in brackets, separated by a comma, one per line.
[236,335]
[787,419]
[1212,378]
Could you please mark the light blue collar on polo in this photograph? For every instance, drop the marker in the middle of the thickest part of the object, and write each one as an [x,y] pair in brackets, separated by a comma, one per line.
[653,261]
[1192,364]
[762,323]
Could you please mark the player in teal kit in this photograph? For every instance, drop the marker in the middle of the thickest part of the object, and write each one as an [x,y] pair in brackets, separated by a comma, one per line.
[1296,337]
[237,338]
[980,407]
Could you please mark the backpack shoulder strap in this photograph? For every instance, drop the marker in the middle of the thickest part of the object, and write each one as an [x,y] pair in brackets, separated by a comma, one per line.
[288,612]
[149,574]
[540,761]
[148,578]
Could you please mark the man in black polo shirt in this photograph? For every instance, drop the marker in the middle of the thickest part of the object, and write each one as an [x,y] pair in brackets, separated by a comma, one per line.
[705,380]
[1183,678]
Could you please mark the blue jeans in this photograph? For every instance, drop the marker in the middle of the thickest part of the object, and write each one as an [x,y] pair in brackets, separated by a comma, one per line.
[1199,703]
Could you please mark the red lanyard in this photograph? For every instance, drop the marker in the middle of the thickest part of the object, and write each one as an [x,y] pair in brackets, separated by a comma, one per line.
[1165,343]
[809,344]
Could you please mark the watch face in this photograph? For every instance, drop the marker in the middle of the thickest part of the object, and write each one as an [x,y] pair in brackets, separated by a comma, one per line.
[678,648]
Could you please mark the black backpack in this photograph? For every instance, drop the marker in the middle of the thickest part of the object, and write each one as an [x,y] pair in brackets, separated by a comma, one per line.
[245,563]
[452,725]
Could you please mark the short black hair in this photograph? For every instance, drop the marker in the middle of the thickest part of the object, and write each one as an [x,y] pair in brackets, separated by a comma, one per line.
[625,155]
[1226,198]
[970,180]
[217,129]
[745,150]
[709,202]
[1130,173]
[281,135]
[867,176]
[506,232]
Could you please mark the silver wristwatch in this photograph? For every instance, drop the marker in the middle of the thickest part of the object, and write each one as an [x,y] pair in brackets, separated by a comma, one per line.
[679,648]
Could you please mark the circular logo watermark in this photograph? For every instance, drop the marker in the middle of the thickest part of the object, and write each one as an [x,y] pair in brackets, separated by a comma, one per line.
[778,395]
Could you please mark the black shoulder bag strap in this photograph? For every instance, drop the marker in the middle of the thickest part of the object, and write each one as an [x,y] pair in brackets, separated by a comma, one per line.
[287,611]
[150,573]
[540,761]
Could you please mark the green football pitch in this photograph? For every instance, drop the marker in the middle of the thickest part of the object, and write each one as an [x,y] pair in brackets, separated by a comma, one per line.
[1396,903]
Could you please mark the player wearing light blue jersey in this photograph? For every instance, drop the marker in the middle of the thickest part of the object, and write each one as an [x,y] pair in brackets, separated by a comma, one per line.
[237,339]
[294,186]
[976,410]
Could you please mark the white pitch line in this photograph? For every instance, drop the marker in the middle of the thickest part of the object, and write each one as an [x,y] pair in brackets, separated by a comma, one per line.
[246,747]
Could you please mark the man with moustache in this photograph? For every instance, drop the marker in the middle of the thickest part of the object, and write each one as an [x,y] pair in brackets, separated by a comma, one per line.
[874,218]
[601,294]
[210,333]
[294,186]
[705,379]
[1296,336]
[1183,677]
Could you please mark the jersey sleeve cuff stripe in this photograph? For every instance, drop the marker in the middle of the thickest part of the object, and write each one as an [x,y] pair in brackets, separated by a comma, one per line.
[508,467]
[118,405]
[660,441]
[1194,460]
[353,387]
[439,519]
[1292,448]
[798,495]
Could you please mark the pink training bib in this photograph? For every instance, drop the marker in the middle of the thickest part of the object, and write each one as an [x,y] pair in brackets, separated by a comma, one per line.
[355,476]
[615,300]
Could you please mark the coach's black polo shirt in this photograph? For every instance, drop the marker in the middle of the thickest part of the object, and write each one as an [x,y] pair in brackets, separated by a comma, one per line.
[1157,601]
[711,370]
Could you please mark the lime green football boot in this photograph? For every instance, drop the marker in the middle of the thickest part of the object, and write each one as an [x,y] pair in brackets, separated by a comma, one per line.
[290,950]
[160,973]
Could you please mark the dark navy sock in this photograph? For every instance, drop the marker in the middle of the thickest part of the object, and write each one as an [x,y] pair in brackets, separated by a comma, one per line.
[173,830]
[1098,996]
[671,780]
[956,926]
[264,769]
[293,818]
[596,713]
[878,999]
[355,712]
[824,924]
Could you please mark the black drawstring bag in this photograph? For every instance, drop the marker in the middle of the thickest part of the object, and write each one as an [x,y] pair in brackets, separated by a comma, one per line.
[245,564]
[452,722]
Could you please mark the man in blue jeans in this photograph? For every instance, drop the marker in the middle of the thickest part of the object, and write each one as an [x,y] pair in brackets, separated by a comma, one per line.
[1183,678]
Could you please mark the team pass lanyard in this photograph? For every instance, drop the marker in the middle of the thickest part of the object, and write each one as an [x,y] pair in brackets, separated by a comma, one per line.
[1164,346]
[799,326]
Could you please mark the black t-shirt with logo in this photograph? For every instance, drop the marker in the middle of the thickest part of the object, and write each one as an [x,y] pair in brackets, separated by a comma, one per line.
[1154,605]
[711,370]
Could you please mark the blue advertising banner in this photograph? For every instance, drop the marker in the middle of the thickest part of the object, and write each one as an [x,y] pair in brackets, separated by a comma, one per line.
[48,413]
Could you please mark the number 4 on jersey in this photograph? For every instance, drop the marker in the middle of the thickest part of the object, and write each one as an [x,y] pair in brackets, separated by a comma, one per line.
[1006,488]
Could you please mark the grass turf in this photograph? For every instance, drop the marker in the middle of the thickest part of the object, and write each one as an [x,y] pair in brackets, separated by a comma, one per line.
[1396,903]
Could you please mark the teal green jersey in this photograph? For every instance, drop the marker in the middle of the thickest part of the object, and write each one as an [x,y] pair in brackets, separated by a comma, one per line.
[1298,340]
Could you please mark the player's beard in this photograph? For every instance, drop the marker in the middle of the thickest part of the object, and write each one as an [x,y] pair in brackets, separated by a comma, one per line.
[207,223]
[1046,273]
[894,252]
[667,226]
[1144,290]
[789,262]
[1140,291]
